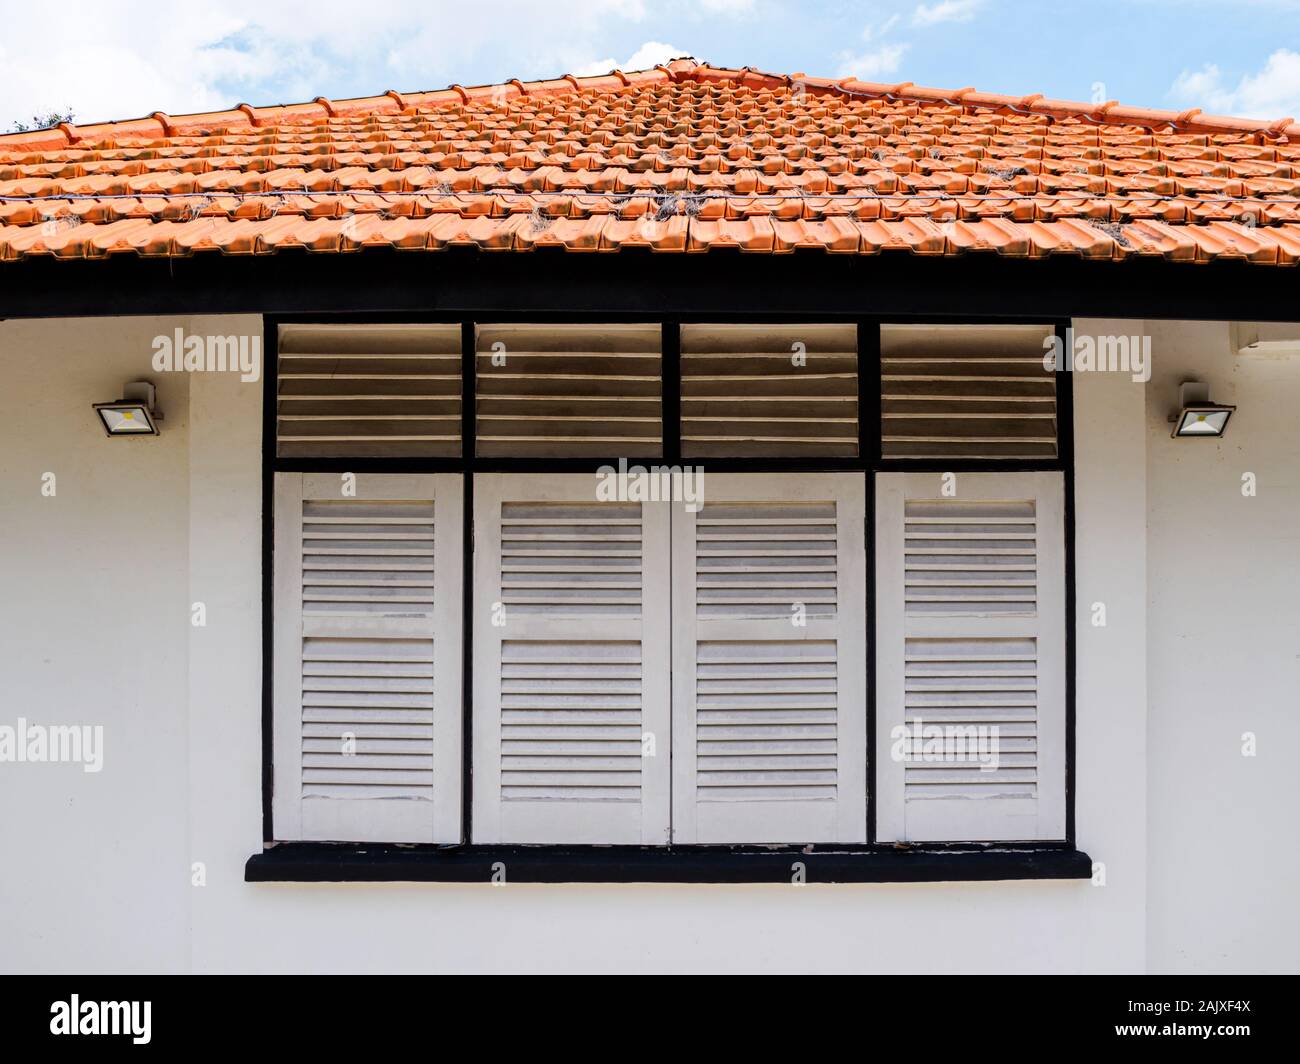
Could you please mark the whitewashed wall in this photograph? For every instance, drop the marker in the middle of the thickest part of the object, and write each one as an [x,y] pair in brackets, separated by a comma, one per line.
[1224,659]
[95,629]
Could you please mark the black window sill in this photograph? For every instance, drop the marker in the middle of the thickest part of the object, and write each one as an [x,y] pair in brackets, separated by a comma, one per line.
[315,862]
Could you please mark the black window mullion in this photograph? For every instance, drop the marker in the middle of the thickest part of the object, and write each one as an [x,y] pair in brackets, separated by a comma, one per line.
[671,374]
[1065,458]
[270,458]
[869,430]
[468,392]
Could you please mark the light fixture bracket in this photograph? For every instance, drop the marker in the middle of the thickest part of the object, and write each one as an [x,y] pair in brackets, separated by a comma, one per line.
[143,392]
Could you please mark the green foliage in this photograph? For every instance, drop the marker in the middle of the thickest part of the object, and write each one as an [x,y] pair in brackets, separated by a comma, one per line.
[45,121]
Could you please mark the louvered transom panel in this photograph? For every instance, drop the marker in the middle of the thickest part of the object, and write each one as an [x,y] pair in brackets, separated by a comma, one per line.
[766,560]
[571,721]
[547,391]
[571,559]
[966,391]
[367,718]
[777,390]
[367,556]
[970,558]
[368,391]
[766,716]
[972,709]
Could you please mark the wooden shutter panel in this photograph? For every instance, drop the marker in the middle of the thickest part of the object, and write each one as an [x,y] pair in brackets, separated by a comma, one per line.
[367,657]
[546,391]
[769,716]
[571,664]
[777,390]
[970,598]
[966,391]
[368,391]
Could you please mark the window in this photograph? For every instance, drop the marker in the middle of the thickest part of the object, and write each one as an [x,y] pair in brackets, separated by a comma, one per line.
[653,674]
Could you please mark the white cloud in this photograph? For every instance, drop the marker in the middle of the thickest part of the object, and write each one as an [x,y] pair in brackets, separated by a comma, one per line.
[873,64]
[205,57]
[872,30]
[1202,85]
[650,54]
[887,56]
[945,11]
[726,7]
[1273,92]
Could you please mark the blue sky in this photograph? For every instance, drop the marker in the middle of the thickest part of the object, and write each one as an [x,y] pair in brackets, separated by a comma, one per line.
[113,59]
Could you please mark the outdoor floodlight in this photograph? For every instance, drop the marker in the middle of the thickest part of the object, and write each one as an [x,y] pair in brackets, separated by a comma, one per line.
[1198,416]
[133,414]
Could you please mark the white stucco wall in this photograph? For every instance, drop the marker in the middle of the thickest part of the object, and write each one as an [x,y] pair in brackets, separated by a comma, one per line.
[93,630]
[1224,659]
[96,629]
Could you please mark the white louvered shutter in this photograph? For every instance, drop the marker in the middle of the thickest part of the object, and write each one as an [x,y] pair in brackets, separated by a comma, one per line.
[970,623]
[367,658]
[769,715]
[571,664]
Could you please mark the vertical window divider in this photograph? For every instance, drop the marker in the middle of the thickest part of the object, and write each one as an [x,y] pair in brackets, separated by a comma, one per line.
[270,466]
[1065,459]
[670,364]
[869,445]
[468,392]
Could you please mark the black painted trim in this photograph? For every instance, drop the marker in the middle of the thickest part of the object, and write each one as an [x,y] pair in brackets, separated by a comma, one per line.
[647,285]
[670,392]
[270,387]
[306,862]
[1065,452]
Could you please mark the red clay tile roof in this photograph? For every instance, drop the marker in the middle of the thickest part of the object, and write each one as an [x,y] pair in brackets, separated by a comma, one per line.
[684,157]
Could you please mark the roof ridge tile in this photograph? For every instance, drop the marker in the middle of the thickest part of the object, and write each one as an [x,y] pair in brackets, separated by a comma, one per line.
[686,68]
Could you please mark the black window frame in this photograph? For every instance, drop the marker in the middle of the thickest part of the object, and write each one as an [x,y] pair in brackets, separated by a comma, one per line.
[467,862]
